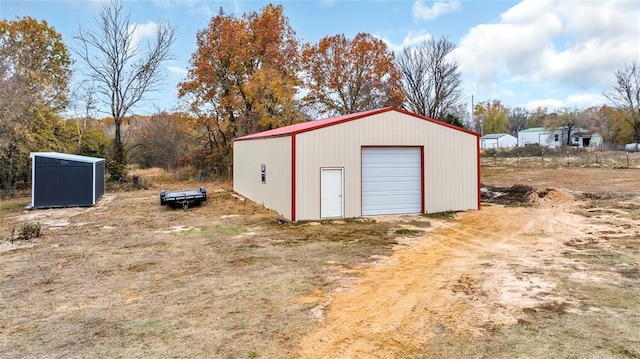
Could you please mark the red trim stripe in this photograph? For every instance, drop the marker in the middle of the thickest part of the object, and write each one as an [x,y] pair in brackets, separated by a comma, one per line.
[293,177]
[314,125]
[478,164]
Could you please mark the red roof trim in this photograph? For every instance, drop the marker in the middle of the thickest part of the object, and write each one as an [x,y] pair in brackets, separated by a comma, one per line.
[314,125]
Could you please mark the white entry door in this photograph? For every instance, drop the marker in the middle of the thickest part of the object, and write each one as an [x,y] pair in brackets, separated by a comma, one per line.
[331,193]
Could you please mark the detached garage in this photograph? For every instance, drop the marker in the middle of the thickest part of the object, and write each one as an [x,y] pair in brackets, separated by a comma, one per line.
[62,180]
[385,161]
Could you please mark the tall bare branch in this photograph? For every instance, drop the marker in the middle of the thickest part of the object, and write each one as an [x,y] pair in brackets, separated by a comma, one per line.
[627,95]
[431,81]
[123,67]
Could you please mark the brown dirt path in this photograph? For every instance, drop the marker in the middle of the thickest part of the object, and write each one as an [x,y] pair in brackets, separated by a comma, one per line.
[462,279]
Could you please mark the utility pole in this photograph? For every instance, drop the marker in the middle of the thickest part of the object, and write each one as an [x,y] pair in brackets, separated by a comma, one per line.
[473,120]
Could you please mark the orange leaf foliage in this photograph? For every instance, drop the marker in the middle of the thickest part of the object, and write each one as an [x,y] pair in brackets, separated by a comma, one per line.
[346,76]
[244,73]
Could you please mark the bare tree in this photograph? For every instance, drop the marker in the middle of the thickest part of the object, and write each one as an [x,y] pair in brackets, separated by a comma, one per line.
[627,95]
[567,121]
[124,70]
[518,119]
[431,81]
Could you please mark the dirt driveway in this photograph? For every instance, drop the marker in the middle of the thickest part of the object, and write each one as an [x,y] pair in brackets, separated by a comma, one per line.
[557,276]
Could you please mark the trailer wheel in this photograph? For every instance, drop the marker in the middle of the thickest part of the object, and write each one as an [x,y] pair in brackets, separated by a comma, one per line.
[163,193]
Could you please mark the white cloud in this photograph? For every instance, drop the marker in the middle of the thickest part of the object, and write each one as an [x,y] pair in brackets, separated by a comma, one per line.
[424,12]
[140,32]
[585,100]
[582,100]
[411,38]
[177,70]
[550,104]
[553,42]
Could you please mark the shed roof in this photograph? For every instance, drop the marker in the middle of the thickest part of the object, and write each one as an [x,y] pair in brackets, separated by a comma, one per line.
[312,125]
[493,136]
[535,129]
[65,156]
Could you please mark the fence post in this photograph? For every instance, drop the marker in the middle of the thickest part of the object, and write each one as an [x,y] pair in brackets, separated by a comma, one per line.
[518,163]
[596,157]
[542,161]
[627,159]
[567,158]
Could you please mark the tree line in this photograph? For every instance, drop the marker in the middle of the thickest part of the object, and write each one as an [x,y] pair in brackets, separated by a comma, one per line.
[249,73]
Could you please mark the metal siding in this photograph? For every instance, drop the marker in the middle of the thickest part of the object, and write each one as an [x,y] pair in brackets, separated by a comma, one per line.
[275,153]
[99,180]
[62,183]
[450,161]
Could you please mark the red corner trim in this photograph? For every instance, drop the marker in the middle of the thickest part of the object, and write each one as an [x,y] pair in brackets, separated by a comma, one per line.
[293,177]
[478,161]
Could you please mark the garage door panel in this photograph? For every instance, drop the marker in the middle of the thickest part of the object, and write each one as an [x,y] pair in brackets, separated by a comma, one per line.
[382,188]
[391,180]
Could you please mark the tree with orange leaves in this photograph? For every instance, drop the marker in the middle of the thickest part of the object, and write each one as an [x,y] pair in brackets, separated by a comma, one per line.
[243,79]
[346,76]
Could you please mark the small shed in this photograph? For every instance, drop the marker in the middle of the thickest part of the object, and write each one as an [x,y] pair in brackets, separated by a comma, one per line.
[498,140]
[378,162]
[64,180]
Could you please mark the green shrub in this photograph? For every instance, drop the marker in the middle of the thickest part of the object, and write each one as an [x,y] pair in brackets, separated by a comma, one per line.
[407,231]
[30,230]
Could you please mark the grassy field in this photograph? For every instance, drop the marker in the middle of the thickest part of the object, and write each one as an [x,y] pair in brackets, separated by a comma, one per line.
[129,278]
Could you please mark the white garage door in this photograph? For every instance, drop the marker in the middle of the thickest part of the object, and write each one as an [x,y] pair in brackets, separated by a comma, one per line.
[391,180]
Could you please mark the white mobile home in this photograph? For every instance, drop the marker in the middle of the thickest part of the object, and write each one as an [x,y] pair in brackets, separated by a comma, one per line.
[542,137]
[385,161]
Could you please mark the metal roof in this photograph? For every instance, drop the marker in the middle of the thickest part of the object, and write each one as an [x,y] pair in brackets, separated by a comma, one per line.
[493,136]
[535,129]
[65,156]
[312,125]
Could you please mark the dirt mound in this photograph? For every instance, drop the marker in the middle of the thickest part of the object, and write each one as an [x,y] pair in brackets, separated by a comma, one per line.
[516,194]
[549,195]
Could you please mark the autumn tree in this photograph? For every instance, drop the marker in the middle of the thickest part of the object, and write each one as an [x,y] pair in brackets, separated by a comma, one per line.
[537,117]
[345,76]
[243,79]
[626,96]
[613,124]
[492,117]
[124,68]
[34,79]
[431,79]
[161,140]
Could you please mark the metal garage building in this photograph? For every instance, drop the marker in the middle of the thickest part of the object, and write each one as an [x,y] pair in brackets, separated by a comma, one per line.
[63,180]
[385,161]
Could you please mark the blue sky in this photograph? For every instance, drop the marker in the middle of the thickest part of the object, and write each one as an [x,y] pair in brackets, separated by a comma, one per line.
[528,53]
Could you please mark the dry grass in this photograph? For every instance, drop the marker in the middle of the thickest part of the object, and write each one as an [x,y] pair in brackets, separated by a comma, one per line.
[129,278]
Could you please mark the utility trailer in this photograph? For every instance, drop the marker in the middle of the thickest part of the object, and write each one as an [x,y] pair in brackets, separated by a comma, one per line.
[183,198]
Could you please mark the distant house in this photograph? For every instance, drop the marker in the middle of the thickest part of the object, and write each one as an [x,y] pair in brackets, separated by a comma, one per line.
[498,140]
[543,137]
[586,139]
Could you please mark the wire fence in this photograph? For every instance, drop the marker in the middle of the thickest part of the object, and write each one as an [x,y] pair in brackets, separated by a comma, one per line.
[563,158]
